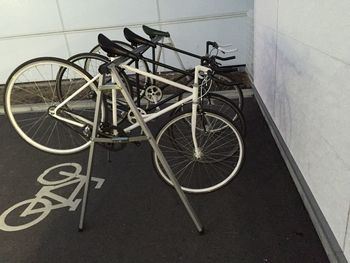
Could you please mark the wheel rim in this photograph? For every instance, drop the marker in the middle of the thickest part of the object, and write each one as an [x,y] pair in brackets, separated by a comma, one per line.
[223,83]
[222,153]
[30,93]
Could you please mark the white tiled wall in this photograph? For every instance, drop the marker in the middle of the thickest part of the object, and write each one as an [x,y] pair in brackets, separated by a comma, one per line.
[28,17]
[306,92]
[78,15]
[171,10]
[325,25]
[63,28]
[15,51]
[192,37]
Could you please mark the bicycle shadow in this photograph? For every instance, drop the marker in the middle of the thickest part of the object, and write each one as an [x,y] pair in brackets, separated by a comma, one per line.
[48,198]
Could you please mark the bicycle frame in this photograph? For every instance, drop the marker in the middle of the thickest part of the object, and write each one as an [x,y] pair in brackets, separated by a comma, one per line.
[184,74]
[189,74]
[121,86]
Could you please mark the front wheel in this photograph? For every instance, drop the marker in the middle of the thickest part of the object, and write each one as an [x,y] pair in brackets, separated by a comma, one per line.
[221,104]
[221,151]
[225,86]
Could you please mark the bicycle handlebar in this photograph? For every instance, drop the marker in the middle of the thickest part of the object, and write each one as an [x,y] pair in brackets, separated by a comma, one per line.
[210,43]
[224,59]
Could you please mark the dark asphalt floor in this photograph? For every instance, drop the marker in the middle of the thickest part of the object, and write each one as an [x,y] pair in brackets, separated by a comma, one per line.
[135,217]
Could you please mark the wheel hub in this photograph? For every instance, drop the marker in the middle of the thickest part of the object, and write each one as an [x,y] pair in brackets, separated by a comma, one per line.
[131,115]
[198,154]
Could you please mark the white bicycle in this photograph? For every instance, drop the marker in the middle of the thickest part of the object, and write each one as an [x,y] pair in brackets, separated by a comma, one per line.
[51,103]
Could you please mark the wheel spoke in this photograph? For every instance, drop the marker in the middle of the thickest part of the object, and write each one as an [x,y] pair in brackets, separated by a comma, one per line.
[218,159]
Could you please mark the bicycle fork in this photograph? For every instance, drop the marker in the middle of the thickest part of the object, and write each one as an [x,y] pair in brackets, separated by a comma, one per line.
[197,151]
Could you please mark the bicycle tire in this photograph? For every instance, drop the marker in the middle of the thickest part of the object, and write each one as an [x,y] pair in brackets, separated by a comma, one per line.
[32,89]
[91,62]
[223,83]
[220,103]
[218,163]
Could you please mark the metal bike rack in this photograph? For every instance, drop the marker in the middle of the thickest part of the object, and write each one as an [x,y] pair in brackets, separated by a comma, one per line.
[148,136]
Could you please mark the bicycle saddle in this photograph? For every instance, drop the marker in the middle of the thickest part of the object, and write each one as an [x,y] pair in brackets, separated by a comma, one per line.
[154,32]
[112,49]
[136,40]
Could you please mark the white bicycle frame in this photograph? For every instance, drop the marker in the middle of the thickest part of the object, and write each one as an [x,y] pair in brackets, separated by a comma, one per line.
[148,117]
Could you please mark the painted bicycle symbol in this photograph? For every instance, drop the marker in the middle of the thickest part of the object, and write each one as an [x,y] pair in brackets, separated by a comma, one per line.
[37,208]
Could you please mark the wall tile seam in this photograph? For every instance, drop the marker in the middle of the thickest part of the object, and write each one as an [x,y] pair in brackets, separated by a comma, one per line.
[136,25]
[314,48]
[303,43]
[63,28]
[264,25]
[250,42]
[346,229]
[276,54]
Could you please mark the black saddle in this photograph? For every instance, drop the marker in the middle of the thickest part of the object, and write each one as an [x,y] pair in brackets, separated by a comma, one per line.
[154,32]
[136,40]
[112,49]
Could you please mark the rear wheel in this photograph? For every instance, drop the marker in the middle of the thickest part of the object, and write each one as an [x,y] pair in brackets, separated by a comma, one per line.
[33,91]
[91,63]
[221,104]
[223,85]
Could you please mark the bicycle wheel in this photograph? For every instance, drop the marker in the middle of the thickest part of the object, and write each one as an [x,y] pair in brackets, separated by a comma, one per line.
[89,61]
[223,84]
[32,91]
[221,151]
[219,103]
